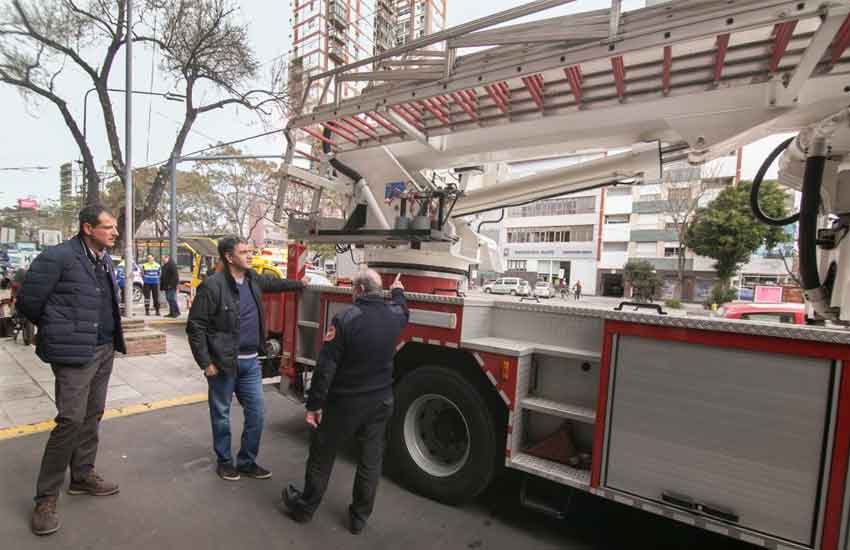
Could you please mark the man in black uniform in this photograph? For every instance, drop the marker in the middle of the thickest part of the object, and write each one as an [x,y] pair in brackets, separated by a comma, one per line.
[351,395]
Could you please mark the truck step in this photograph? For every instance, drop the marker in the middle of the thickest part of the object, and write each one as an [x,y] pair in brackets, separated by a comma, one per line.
[563,410]
[553,471]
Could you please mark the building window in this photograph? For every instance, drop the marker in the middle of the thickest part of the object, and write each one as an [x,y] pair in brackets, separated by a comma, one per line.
[671,226]
[646,250]
[555,207]
[615,247]
[679,195]
[617,218]
[619,190]
[517,265]
[672,251]
[563,234]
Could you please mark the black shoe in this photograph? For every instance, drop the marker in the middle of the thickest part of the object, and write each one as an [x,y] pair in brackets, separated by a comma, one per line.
[355,524]
[227,472]
[255,470]
[292,499]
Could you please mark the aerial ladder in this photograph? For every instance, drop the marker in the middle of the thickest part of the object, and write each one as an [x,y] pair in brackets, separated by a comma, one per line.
[740,428]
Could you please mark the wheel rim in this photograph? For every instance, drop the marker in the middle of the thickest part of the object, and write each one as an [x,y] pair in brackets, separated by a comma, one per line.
[437,435]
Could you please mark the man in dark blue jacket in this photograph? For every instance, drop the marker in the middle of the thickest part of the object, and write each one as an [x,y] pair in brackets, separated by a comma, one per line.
[351,394]
[70,293]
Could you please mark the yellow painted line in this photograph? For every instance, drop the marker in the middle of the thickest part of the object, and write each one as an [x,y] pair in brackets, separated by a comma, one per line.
[129,410]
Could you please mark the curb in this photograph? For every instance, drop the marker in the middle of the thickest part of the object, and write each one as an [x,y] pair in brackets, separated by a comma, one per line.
[129,410]
[167,322]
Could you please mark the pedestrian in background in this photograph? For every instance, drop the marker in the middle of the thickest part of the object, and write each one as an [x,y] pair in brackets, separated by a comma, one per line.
[151,274]
[577,290]
[170,280]
[70,293]
[226,334]
[351,395]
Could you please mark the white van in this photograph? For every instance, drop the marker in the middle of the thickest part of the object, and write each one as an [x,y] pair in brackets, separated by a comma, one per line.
[506,285]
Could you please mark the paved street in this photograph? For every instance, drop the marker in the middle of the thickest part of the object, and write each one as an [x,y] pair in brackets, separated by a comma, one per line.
[26,383]
[171,498]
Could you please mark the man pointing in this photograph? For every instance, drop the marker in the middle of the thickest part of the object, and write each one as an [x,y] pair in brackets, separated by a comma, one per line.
[351,395]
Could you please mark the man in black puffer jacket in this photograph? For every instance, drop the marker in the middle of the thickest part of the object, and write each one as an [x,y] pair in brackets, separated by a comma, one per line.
[70,293]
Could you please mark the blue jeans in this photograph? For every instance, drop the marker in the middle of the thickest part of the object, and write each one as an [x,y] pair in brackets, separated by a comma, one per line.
[171,297]
[248,387]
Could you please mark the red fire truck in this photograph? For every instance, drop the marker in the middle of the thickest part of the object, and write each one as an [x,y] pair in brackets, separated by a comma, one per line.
[740,428]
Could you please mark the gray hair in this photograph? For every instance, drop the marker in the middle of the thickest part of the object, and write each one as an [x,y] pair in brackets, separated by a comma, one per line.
[368,281]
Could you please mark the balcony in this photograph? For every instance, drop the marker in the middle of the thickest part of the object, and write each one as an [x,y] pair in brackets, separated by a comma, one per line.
[337,15]
[653,235]
[669,264]
[337,53]
[649,207]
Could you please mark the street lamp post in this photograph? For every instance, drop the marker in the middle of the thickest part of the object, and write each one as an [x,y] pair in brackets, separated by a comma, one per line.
[169,96]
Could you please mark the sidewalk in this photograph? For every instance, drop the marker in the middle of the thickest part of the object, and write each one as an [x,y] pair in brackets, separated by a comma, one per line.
[26,383]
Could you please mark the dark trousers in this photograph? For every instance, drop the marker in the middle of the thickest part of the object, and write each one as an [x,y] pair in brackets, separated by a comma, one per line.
[149,289]
[171,297]
[80,401]
[365,419]
[247,384]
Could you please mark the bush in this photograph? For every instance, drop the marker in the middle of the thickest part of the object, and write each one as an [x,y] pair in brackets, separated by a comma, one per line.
[673,304]
[721,294]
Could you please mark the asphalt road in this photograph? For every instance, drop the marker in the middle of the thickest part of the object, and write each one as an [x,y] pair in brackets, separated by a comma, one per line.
[171,498]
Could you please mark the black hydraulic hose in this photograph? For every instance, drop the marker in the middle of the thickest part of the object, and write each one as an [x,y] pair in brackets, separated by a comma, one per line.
[338,165]
[754,191]
[501,217]
[808,230]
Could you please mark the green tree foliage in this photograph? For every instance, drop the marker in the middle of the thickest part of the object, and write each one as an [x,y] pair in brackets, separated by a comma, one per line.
[726,230]
[643,278]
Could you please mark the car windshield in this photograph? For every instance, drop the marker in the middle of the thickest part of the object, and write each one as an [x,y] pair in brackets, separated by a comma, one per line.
[542,284]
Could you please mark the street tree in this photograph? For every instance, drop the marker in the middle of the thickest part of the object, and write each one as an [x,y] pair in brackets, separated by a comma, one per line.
[245,189]
[204,49]
[726,231]
[642,277]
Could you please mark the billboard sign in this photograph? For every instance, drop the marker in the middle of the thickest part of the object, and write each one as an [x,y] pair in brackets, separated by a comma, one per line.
[768,295]
[28,204]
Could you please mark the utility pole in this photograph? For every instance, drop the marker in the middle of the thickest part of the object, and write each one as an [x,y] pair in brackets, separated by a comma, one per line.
[128,168]
[172,240]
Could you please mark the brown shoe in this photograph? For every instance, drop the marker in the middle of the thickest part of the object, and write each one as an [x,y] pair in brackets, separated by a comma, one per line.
[45,520]
[93,485]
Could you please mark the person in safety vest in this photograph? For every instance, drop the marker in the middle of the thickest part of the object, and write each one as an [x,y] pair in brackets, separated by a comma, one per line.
[151,273]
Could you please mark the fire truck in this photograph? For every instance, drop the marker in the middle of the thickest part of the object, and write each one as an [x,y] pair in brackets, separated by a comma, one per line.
[740,428]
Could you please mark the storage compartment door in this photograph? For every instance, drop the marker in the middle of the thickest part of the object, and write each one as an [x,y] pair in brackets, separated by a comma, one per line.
[740,431]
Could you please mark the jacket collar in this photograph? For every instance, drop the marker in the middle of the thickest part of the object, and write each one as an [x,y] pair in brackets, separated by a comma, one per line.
[231,281]
[83,256]
[374,298]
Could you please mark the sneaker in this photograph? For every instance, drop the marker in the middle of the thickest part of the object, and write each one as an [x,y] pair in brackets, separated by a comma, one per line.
[291,497]
[45,520]
[227,472]
[93,485]
[255,471]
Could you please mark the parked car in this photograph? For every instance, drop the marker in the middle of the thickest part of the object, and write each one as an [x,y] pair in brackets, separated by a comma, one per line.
[524,289]
[794,314]
[505,285]
[544,289]
[316,277]
[137,279]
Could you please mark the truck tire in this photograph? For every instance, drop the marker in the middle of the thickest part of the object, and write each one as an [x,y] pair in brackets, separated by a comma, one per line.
[443,438]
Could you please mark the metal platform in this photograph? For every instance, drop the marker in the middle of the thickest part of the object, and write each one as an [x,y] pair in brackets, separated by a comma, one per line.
[562,410]
[552,471]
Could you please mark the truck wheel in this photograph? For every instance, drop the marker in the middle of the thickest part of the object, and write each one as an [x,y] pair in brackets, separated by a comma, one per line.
[443,437]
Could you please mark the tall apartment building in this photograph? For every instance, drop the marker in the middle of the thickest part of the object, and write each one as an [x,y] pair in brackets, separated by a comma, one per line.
[416,18]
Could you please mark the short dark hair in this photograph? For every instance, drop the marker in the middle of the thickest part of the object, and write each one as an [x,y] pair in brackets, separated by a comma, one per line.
[227,245]
[91,215]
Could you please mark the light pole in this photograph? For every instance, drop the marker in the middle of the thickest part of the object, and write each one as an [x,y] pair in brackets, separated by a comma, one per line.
[128,168]
[169,96]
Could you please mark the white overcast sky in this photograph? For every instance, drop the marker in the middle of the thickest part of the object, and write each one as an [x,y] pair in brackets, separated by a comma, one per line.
[33,134]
